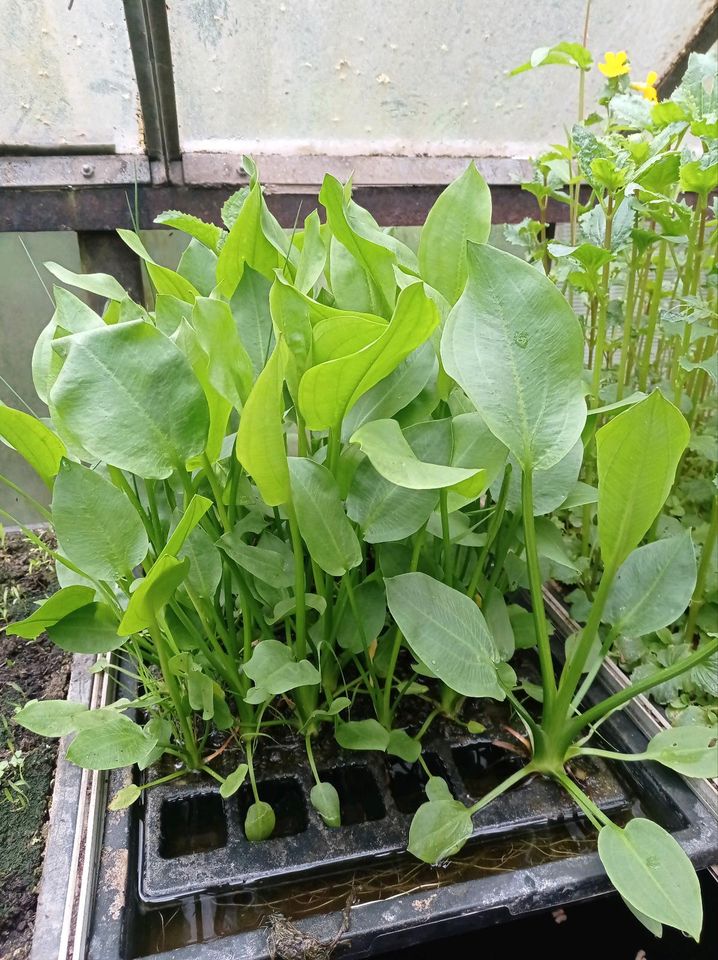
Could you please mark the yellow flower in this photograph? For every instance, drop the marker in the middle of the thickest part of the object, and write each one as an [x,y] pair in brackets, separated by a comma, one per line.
[616,64]
[648,89]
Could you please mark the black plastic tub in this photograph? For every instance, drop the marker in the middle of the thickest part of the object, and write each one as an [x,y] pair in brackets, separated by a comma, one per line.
[179,880]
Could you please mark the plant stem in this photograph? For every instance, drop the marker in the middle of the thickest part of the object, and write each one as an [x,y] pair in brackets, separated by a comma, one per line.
[502,788]
[396,643]
[627,322]
[175,695]
[300,638]
[655,304]
[603,306]
[703,570]
[217,492]
[446,535]
[491,532]
[623,696]
[548,680]
[573,668]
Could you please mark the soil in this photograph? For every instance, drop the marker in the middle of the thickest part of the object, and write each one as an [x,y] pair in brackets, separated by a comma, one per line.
[28,670]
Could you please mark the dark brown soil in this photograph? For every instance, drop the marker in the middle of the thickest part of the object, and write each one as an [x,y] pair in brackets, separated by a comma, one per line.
[27,670]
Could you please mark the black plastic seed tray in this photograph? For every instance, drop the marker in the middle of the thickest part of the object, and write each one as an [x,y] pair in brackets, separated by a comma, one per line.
[193,840]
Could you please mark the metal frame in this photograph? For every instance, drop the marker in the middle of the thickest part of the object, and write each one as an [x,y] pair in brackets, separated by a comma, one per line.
[92,193]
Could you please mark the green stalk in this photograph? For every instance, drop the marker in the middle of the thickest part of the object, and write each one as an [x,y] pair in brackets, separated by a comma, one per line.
[396,644]
[573,668]
[703,570]
[491,532]
[217,492]
[603,306]
[548,680]
[502,788]
[656,295]
[597,817]
[174,692]
[300,638]
[446,535]
[627,323]
[622,697]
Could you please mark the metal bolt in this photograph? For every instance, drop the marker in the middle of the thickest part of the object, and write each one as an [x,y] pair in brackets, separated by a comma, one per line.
[87,170]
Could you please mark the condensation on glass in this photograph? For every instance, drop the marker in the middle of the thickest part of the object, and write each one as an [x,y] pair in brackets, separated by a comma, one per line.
[67,83]
[404,77]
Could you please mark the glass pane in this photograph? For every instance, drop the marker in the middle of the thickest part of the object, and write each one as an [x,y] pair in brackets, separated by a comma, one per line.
[66,77]
[406,77]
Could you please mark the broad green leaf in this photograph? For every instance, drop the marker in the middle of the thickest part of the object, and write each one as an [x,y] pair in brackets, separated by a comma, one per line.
[261,445]
[654,926]
[35,442]
[50,718]
[246,243]
[72,314]
[97,527]
[232,206]
[473,443]
[200,692]
[285,608]
[290,317]
[394,392]
[325,800]
[350,283]
[125,797]
[56,607]
[462,212]
[270,566]
[637,452]
[154,413]
[371,603]
[653,586]
[440,829]
[691,751]
[205,563]
[198,265]
[550,487]
[313,256]
[234,781]
[392,457]
[250,308]
[375,259]
[194,511]
[323,524]
[153,593]
[116,742]
[563,54]
[446,631]
[498,621]
[362,735]
[206,233]
[650,870]
[550,544]
[101,284]
[89,629]
[329,390]
[403,746]
[230,367]
[259,822]
[384,511]
[273,668]
[336,337]
[581,495]
[514,345]
[165,281]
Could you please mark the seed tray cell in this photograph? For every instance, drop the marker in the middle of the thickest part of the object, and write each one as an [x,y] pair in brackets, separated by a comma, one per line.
[192,840]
